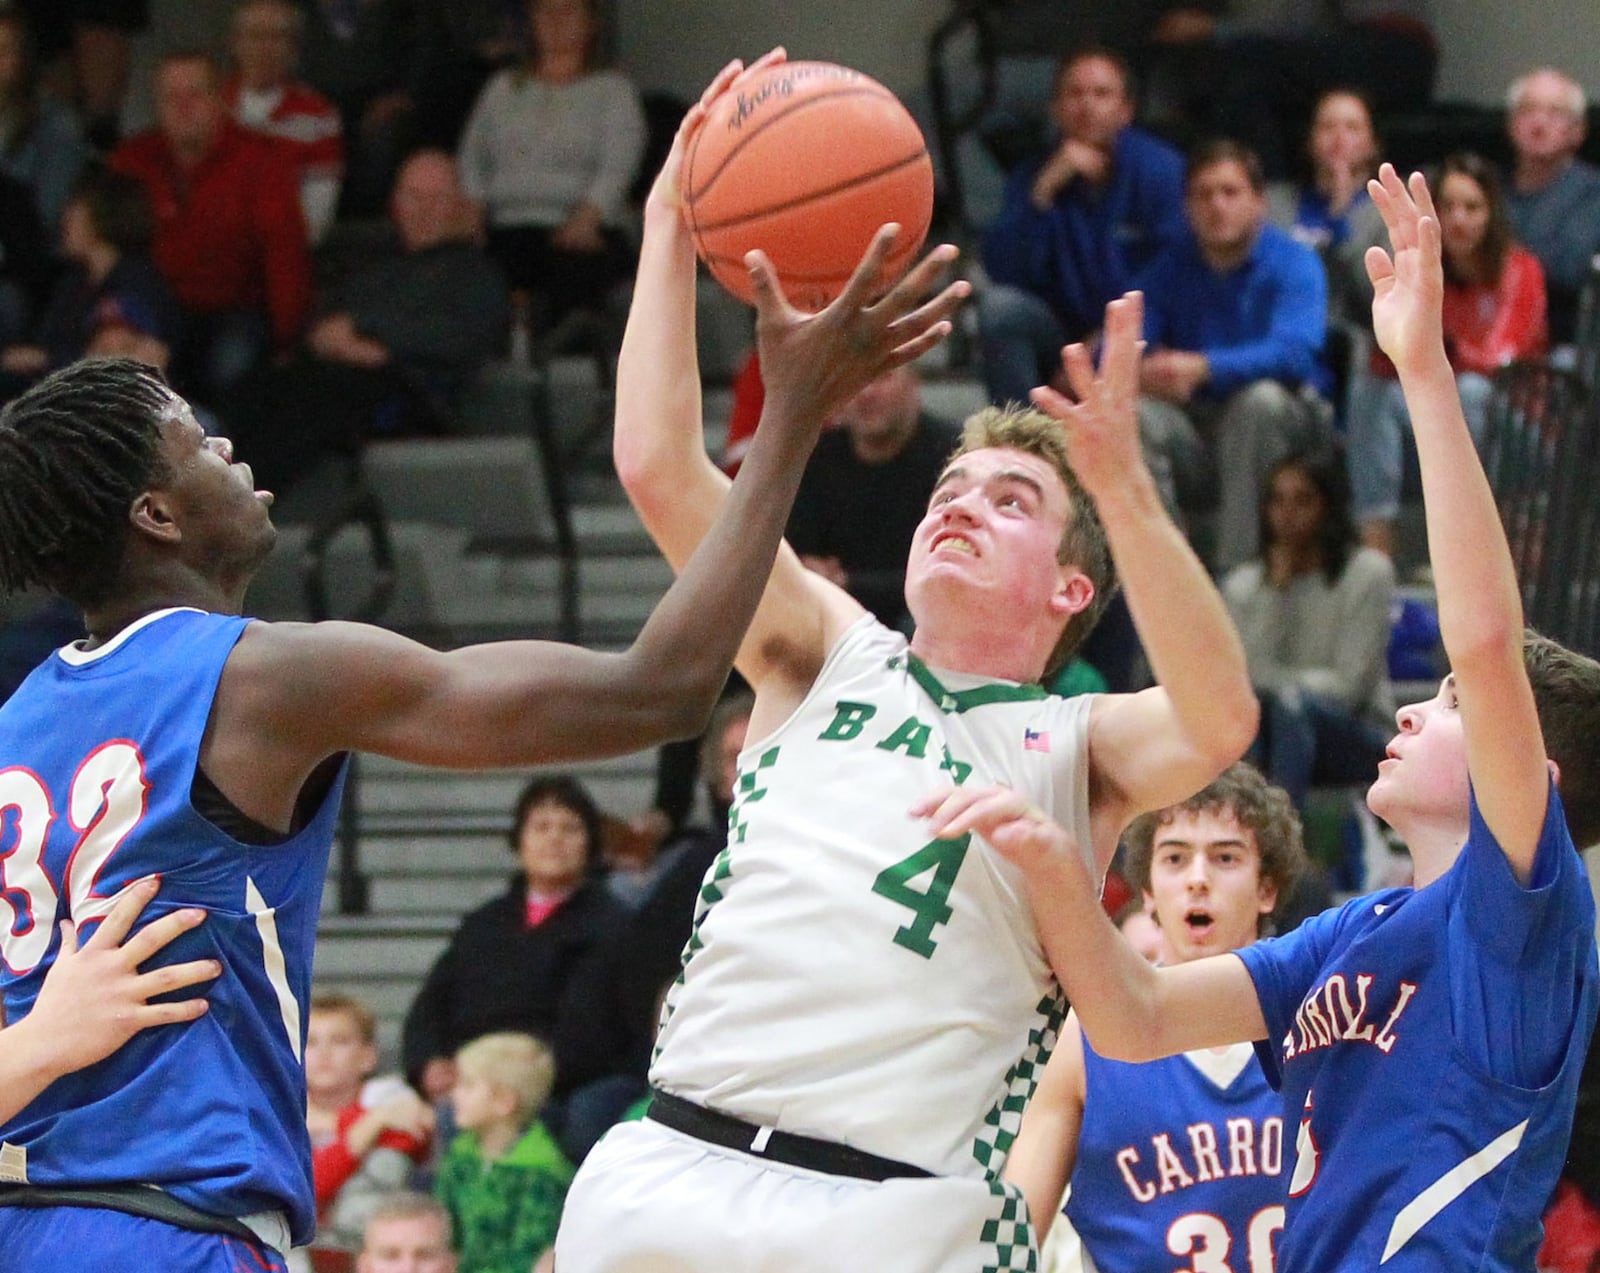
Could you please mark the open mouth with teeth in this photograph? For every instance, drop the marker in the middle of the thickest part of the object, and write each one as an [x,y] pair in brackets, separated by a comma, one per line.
[960,543]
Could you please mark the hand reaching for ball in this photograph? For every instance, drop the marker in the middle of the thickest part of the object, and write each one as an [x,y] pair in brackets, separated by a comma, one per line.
[812,364]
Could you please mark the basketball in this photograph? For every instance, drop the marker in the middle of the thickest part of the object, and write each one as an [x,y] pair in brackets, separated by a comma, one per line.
[805,161]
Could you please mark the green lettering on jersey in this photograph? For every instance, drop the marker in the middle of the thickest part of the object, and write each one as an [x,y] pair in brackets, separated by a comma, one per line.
[911,737]
[848,721]
[957,769]
[943,858]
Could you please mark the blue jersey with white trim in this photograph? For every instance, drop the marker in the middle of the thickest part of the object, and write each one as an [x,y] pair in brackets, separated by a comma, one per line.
[98,755]
[1429,1043]
[1180,1157]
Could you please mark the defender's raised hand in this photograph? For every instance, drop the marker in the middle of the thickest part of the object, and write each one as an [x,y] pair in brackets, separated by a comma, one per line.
[815,363]
[1408,280]
[1102,426]
[1019,831]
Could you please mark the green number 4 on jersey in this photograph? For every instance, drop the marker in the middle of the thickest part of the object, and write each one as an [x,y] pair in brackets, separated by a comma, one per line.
[943,858]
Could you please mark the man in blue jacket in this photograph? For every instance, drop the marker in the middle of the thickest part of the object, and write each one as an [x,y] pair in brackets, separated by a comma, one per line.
[1232,378]
[1076,225]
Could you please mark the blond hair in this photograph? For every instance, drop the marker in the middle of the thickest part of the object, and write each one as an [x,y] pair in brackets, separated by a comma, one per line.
[515,1063]
[366,1022]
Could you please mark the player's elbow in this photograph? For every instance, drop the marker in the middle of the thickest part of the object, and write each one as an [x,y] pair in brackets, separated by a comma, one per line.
[1238,719]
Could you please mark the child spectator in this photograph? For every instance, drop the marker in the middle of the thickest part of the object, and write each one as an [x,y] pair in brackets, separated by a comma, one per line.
[503,1179]
[366,1133]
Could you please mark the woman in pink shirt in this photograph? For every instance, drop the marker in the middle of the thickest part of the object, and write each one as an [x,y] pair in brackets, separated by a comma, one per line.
[1494,314]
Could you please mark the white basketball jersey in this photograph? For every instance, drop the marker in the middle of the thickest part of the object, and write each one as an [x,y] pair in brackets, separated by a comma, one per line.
[848,977]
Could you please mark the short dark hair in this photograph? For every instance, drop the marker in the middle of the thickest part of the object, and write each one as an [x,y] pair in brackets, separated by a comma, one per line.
[569,793]
[1225,150]
[76,450]
[1566,694]
[1083,541]
[118,207]
[1259,807]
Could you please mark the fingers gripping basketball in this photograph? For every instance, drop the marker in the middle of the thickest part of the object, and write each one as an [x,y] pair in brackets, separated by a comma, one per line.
[805,161]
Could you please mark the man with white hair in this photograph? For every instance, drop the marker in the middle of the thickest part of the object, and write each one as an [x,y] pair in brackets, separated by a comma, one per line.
[1554,196]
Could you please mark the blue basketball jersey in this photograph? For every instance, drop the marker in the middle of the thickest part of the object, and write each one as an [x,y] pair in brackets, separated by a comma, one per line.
[98,755]
[1179,1165]
[1428,1043]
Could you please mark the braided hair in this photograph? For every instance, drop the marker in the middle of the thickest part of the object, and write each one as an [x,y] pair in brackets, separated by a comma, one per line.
[75,451]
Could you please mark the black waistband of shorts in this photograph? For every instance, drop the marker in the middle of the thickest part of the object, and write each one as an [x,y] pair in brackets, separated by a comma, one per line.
[783,1147]
[133,1200]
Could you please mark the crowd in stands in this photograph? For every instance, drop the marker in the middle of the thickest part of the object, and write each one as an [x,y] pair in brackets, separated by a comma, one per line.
[328,232]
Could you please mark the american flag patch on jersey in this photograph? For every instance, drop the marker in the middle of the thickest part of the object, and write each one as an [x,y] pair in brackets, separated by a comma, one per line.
[1036,740]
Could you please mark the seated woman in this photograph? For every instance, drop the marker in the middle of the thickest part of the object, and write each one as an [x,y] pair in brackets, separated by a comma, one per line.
[549,152]
[542,959]
[111,299]
[1333,215]
[1494,314]
[1313,613]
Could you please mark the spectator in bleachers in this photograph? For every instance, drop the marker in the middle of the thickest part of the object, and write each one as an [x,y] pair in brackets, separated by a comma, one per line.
[1494,314]
[464,43]
[263,94]
[27,262]
[110,292]
[393,343]
[503,1179]
[97,37]
[407,1233]
[367,1134]
[40,142]
[550,151]
[542,959]
[230,236]
[1554,197]
[866,489]
[1332,213]
[1313,613]
[1075,226]
[1232,379]
[364,56]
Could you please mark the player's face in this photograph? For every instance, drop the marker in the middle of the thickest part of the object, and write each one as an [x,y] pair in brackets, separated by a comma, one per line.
[1423,779]
[213,500]
[408,1244]
[990,537]
[1226,211]
[1092,103]
[338,1058]
[553,845]
[1206,885]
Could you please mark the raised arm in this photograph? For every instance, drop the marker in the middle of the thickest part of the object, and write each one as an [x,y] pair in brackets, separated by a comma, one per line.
[1154,748]
[1129,1009]
[1480,609]
[811,365]
[95,999]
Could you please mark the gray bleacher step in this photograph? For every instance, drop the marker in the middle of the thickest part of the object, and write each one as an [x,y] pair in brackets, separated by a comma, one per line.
[387,767]
[402,896]
[953,398]
[432,853]
[407,952]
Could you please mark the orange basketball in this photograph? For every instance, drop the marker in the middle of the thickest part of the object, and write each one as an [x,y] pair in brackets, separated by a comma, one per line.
[805,161]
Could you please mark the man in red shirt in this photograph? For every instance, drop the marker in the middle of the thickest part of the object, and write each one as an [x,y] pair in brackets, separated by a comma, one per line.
[264,95]
[230,236]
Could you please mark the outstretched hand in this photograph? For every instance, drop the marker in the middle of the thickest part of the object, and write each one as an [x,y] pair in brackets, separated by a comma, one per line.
[94,998]
[812,364]
[1102,426]
[1407,280]
[1020,832]
[666,191]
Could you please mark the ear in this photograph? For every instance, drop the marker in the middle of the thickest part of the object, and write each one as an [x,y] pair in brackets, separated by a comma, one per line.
[1266,895]
[151,514]
[1074,592]
[1150,907]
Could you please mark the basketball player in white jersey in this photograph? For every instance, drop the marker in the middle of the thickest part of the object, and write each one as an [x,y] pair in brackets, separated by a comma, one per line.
[1181,1157]
[863,1012]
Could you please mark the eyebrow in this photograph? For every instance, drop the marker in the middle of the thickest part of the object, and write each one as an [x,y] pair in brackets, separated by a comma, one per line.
[1020,476]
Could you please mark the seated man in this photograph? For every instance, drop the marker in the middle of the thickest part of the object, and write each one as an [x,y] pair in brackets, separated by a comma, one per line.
[1232,379]
[865,489]
[395,341]
[264,95]
[230,237]
[1076,225]
[1553,196]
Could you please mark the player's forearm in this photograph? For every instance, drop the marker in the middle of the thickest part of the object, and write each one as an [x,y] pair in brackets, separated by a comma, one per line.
[26,1068]
[1193,647]
[1480,608]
